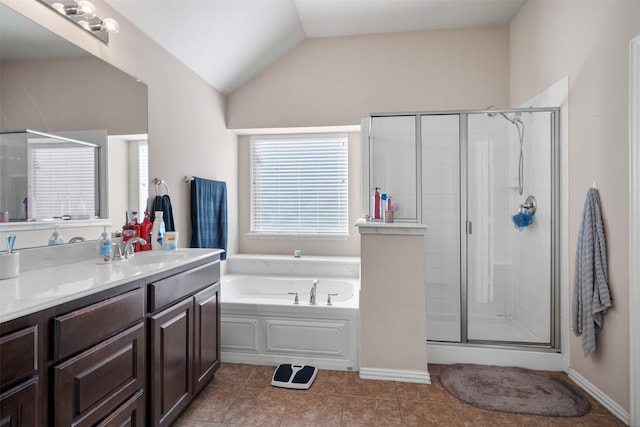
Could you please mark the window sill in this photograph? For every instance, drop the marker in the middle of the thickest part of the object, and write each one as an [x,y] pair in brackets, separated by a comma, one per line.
[278,236]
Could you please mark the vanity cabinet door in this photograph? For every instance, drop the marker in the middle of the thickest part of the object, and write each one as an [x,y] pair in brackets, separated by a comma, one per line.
[206,335]
[18,405]
[171,357]
[92,385]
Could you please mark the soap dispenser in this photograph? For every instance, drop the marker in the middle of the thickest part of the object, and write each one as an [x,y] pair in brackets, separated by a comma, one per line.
[56,238]
[105,248]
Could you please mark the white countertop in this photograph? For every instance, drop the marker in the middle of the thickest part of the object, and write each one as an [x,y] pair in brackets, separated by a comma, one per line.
[396,228]
[37,290]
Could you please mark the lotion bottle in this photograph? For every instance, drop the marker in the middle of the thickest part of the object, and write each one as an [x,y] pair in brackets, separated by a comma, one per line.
[105,248]
[157,231]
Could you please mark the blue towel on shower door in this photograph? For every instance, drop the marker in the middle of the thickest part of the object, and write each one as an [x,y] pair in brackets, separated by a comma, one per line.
[209,214]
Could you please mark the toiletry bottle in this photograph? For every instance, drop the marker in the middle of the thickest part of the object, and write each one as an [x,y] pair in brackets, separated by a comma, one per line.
[56,238]
[375,200]
[157,231]
[383,204]
[104,248]
[145,232]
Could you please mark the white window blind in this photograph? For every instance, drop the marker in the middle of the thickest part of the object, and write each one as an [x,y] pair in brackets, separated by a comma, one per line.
[62,181]
[299,185]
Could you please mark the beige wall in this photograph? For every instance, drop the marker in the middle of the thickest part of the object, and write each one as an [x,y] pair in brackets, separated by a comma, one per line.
[71,94]
[392,295]
[187,132]
[339,80]
[589,42]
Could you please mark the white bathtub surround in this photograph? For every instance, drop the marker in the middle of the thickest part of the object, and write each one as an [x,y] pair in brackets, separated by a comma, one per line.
[289,265]
[392,313]
[260,324]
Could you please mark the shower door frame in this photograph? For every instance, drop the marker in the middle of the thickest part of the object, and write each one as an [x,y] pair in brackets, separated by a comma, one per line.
[554,253]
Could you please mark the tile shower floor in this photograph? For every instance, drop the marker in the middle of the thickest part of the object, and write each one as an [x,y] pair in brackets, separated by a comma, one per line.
[242,395]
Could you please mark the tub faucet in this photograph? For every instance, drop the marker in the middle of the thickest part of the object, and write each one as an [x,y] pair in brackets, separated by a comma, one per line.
[312,299]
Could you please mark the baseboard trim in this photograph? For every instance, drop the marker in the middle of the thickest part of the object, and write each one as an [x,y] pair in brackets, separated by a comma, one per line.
[421,377]
[597,394]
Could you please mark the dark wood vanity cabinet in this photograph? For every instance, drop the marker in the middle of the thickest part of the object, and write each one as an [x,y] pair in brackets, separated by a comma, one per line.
[184,350]
[19,376]
[134,355]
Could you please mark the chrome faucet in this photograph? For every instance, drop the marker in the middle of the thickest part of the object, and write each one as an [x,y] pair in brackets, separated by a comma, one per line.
[128,246]
[312,299]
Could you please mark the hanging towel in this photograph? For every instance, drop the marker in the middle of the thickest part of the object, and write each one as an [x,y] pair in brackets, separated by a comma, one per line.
[591,296]
[209,214]
[163,203]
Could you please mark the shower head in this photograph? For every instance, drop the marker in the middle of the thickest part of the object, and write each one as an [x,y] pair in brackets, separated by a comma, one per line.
[515,119]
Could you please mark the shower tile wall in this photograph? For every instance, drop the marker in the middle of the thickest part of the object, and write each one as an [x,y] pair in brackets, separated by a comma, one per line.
[394,161]
[441,213]
[490,179]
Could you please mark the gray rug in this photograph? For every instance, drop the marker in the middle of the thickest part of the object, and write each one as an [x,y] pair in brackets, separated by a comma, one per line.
[515,390]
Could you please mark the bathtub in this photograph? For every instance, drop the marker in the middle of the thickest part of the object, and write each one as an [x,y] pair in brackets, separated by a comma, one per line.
[261,324]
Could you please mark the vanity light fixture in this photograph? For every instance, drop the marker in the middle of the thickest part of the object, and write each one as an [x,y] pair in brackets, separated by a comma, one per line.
[84,14]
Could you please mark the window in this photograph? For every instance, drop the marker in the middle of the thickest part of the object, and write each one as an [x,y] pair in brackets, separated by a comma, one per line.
[299,185]
[62,181]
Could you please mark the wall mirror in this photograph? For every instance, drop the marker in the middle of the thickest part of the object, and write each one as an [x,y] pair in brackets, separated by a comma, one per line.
[51,86]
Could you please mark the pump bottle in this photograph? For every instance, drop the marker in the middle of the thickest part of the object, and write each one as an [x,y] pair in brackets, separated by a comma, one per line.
[104,248]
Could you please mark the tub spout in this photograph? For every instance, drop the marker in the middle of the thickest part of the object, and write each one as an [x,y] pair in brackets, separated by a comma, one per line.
[312,298]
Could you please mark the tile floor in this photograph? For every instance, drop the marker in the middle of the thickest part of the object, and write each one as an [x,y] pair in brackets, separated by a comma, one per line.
[242,395]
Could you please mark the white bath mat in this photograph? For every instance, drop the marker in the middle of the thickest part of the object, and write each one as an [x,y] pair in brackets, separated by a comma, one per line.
[288,375]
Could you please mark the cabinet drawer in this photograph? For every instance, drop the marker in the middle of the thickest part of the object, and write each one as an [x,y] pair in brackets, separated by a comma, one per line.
[130,413]
[166,291]
[83,328]
[91,385]
[18,406]
[18,356]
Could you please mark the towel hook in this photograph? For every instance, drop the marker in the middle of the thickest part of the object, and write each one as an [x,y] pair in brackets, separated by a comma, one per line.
[160,182]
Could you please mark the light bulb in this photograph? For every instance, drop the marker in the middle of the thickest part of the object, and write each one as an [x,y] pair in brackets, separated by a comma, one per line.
[110,25]
[86,9]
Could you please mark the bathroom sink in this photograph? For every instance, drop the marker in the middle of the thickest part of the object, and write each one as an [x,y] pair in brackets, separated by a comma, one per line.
[151,257]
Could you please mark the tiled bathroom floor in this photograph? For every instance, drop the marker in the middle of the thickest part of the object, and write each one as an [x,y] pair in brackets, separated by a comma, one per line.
[242,395]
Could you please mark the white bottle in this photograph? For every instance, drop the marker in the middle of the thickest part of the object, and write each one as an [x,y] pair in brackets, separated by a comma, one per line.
[104,248]
[157,231]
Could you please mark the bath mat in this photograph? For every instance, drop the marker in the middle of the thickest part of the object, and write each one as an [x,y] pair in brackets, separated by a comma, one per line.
[517,390]
[294,376]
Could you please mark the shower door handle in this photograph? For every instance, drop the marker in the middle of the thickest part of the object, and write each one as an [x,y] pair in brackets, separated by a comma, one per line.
[469,227]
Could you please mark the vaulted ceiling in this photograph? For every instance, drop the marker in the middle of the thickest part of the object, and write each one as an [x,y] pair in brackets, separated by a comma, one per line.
[227,42]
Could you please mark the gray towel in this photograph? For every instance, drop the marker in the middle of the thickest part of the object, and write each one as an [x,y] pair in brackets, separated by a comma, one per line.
[591,296]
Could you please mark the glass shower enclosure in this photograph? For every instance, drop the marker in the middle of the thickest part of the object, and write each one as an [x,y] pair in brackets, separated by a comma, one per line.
[486,183]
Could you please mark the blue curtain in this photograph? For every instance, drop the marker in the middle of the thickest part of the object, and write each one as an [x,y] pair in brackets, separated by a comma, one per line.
[209,214]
